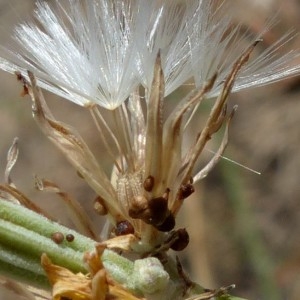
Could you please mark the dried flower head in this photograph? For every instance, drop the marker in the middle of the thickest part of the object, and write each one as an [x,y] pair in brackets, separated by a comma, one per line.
[100,53]
[126,57]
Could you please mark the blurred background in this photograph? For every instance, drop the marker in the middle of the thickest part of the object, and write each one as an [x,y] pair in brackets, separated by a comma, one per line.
[244,228]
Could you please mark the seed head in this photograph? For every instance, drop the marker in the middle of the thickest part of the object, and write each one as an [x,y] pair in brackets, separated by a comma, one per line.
[126,57]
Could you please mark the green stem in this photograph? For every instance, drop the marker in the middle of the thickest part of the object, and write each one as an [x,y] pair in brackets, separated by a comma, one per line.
[26,235]
[25,218]
[28,242]
[24,275]
[121,268]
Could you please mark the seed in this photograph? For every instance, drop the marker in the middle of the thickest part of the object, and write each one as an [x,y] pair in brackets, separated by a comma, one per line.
[70,237]
[149,183]
[123,228]
[182,240]
[57,237]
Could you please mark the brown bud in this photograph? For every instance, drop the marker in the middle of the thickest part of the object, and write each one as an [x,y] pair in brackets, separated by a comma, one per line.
[168,224]
[182,240]
[149,183]
[70,237]
[186,190]
[158,210]
[99,206]
[57,237]
[123,228]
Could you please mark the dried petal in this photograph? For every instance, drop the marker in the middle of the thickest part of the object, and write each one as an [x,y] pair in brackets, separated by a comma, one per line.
[122,242]
[65,283]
